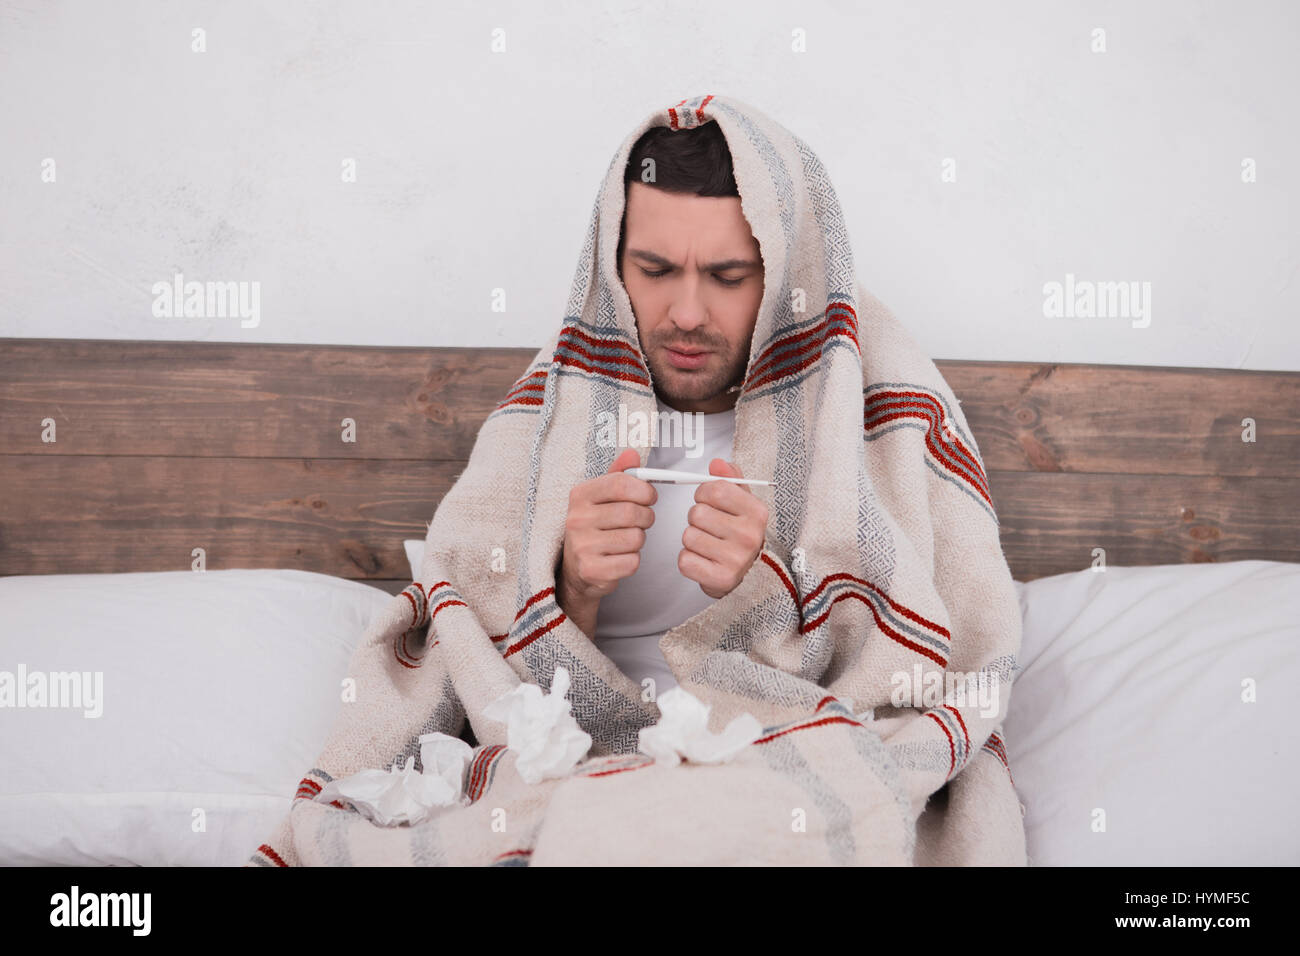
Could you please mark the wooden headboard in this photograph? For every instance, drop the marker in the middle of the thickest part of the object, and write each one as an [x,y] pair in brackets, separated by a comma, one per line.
[162,447]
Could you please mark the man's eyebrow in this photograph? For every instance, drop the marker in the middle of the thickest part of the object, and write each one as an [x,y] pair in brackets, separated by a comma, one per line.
[721,266]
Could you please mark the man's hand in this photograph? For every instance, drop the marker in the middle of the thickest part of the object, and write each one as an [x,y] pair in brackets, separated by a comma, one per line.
[603,534]
[725,532]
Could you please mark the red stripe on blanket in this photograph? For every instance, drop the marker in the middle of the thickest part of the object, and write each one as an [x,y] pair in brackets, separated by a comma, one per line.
[785,372]
[533,600]
[525,641]
[399,648]
[995,746]
[271,855]
[479,769]
[880,622]
[783,348]
[906,612]
[526,384]
[835,312]
[508,853]
[471,790]
[814,351]
[888,401]
[632,361]
[952,745]
[450,602]
[606,773]
[786,349]
[699,110]
[965,734]
[973,473]
[927,408]
[415,612]
[781,574]
[596,342]
[672,116]
[620,376]
[815,723]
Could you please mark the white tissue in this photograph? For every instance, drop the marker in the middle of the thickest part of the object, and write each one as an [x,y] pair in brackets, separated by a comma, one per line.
[683,732]
[540,729]
[393,797]
[445,756]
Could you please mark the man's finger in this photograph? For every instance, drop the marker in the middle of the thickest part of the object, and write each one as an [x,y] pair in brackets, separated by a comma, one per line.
[630,458]
[622,514]
[727,469]
[709,519]
[620,487]
[705,545]
[624,487]
[733,499]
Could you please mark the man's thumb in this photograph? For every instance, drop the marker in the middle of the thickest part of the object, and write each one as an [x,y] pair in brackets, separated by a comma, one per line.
[630,458]
[719,466]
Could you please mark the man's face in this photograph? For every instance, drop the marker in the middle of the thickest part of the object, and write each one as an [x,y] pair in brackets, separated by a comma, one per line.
[694,274]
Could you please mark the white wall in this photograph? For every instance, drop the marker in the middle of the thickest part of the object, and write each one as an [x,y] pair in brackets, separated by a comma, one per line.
[478,170]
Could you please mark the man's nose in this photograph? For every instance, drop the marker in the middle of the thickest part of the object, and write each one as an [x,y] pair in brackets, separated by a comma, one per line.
[687,309]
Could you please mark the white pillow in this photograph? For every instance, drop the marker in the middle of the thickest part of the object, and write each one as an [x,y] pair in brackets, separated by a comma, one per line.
[414,555]
[1130,700]
[218,691]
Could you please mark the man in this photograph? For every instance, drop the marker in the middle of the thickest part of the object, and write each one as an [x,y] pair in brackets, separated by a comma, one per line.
[639,559]
[570,593]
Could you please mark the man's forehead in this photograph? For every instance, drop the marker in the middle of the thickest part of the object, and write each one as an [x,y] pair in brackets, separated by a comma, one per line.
[661,225]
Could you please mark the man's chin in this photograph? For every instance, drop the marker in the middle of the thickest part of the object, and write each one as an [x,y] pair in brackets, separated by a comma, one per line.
[690,386]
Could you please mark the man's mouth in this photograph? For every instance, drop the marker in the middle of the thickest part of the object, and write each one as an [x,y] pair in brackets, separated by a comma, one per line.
[686,358]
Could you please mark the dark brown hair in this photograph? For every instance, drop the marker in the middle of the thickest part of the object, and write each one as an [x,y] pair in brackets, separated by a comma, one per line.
[695,161]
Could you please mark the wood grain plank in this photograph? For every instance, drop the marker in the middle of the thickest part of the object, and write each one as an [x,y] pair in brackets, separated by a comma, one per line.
[1129,419]
[1049,523]
[222,400]
[245,400]
[80,515]
[167,446]
[85,514]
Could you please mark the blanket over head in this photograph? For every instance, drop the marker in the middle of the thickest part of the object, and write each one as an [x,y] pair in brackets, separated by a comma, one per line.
[875,637]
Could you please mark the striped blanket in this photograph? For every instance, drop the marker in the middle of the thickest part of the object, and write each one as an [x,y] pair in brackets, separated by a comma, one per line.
[874,639]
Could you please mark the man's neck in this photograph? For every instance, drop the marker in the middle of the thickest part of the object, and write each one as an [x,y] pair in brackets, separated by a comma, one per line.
[715,405]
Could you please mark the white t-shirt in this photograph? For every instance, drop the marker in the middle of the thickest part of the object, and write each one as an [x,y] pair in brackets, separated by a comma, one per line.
[657,597]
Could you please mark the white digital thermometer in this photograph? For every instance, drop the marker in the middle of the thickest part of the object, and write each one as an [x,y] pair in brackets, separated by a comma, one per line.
[669,477]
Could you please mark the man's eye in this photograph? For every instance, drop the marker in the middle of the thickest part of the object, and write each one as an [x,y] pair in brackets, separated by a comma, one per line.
[730,283]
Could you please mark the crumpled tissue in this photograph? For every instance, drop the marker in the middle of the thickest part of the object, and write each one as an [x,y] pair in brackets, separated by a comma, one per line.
[393,797]
[683,732]
[540,729]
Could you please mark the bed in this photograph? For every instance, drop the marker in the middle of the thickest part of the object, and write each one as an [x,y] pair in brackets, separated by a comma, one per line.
[199,513]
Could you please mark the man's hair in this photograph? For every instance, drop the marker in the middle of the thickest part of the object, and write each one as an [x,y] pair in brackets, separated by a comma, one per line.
[685,161]
[695,161]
